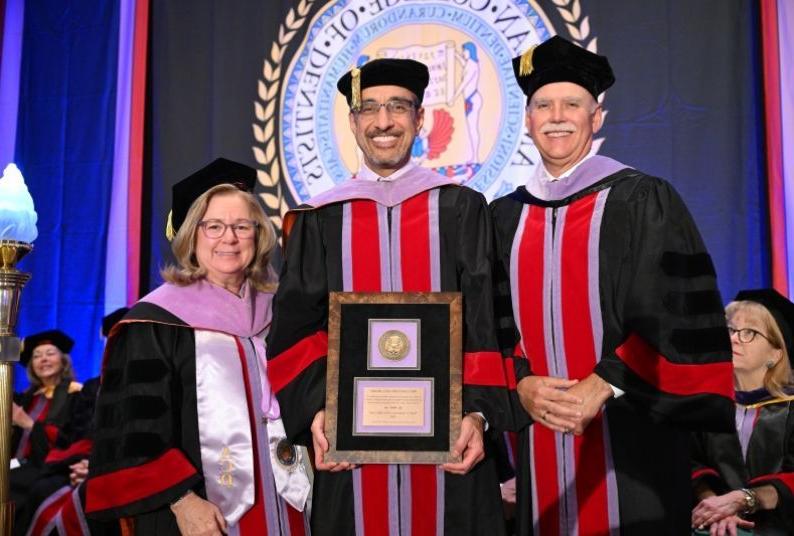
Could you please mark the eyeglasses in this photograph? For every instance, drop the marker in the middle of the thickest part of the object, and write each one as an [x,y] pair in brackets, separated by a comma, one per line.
[393,106]
[746,335]
[241,228]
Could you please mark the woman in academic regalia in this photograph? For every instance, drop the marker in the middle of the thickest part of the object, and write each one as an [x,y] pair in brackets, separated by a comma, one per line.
[745,480]
[42,415]
[187,428]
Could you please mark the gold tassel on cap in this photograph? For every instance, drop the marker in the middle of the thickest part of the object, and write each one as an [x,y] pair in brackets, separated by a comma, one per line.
[355,89]
[525,66]
[170,233]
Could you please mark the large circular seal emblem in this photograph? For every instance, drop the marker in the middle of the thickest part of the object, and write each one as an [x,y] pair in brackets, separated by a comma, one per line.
[474,110]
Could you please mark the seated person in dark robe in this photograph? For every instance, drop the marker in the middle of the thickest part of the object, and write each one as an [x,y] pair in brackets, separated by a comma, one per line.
[57,494]
[745,479]
[42,415]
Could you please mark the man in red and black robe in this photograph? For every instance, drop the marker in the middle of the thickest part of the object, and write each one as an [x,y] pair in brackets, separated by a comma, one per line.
[393,227]
[609,304]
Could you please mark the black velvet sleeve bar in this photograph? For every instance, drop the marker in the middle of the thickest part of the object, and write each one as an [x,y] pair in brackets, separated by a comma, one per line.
[658,284]
[145,421]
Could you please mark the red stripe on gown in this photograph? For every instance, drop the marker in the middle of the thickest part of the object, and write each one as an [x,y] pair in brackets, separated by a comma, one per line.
[70,517]
[530,303]
[39,418]
[254,521]
[675,378]
[365,246]
[423,499]
[131,484]
[375,498]
[786,478]
[704,472]
[366,269]
[78,448]
[46,515]
[415,243]
[287,365]
[580,354]
[484,368]
[295,520]
[415,270]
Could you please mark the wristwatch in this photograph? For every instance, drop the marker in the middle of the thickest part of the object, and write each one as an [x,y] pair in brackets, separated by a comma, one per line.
[750,501]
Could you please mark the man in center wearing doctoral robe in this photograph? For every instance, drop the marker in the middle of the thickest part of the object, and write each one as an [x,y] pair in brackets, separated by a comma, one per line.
[393,227]
[609,298]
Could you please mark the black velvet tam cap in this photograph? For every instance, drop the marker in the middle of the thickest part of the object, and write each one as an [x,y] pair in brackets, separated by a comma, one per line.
[559,60]
[56,337]
[782,311]
[112,319]
[410,74]
[186,191]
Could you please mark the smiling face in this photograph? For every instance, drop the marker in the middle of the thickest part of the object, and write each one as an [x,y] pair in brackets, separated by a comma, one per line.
[226,258]
[562,118]
[385,138]
[47,363]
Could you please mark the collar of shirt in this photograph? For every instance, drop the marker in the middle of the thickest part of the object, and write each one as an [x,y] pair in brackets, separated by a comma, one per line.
[368,175]
[544,176]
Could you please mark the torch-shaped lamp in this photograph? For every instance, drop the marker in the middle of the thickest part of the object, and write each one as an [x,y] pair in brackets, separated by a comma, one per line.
[17,231]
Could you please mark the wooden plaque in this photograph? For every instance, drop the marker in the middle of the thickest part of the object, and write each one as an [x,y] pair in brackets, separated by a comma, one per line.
[394,377]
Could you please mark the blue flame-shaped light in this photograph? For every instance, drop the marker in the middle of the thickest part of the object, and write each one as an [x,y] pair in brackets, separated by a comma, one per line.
[17,215]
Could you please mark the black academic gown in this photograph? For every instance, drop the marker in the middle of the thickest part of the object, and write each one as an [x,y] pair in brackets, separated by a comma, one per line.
[146,421]
[615,280]
[317,258]
[147,451]
[760,452]
[57,430]
[50,506]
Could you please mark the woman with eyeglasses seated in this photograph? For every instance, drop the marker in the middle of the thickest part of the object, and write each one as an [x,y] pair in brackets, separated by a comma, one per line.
[186,424]
[745,480]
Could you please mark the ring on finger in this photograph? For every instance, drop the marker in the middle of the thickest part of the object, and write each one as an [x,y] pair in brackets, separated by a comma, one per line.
[543,416]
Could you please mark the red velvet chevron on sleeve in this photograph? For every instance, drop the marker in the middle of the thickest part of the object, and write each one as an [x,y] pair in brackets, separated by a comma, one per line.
[125,486]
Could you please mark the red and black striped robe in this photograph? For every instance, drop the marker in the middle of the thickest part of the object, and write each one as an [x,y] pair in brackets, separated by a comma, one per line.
[437,240]
[613,279]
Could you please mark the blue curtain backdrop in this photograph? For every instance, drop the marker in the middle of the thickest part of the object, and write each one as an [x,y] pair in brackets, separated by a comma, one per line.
[688,106]
[65,150]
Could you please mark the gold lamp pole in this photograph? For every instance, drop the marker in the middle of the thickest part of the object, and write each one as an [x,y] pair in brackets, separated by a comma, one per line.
[11,283]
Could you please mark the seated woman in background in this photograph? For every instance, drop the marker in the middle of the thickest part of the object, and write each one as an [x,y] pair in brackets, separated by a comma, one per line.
[42,415]
[186,424]
[745,480]
[58,494]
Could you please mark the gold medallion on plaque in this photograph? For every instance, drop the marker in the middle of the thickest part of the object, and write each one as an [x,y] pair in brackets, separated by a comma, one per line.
[394,345]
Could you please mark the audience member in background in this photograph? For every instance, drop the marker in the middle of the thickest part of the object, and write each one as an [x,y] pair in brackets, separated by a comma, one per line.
[57,494]
[745,479]
[42,415]
[185,416]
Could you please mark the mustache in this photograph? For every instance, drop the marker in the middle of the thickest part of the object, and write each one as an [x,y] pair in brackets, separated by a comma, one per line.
[565,126]
[376,131]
